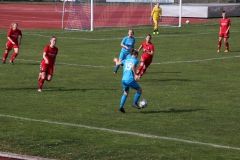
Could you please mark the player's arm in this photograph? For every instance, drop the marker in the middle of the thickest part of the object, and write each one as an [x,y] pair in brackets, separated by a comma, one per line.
[44,57]
[140,48]
[136,77]
[151,52]
[160,15]
[54,63]
[20,39]
[229,25]
[117,61]
[151,18]
[10,40]
[124,46]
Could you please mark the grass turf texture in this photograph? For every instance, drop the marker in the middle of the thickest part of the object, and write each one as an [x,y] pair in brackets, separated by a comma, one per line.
[192,93]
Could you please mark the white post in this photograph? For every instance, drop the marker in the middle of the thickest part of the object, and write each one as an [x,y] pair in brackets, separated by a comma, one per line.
[180,13]
[63,11]
[92,15]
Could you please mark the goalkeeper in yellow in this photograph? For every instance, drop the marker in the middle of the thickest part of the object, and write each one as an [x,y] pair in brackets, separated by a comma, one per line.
[156,16]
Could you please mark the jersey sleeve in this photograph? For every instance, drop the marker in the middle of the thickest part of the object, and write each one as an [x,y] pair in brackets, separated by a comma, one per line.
[46,49]
[160,11]
[152,47]
[124,40]
[9,32]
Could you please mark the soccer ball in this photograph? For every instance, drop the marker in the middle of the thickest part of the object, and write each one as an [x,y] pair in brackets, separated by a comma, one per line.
[187,21]
[143,103]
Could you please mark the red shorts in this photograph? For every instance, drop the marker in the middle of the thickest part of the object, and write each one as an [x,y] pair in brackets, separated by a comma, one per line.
[146,59]
[48,68]
[224,35]
[10,46]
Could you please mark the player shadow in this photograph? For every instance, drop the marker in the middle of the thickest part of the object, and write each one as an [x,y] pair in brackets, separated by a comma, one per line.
[171,111]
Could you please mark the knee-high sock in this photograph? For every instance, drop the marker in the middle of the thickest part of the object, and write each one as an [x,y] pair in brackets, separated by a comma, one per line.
[227,45]
[5,55]
[143,71]
[219,44]
[136,97]
[40,83]
[123,100]
[116,68]
[14,56]
[139,69]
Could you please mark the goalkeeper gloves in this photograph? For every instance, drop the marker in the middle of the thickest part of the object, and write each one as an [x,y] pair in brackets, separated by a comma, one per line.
[160,18]
[151,18]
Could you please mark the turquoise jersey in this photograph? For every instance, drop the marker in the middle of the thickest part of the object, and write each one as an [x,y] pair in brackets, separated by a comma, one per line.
[129,42]
[128,74]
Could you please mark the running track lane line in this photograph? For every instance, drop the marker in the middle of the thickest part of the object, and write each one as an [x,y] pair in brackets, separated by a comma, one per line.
[122,132]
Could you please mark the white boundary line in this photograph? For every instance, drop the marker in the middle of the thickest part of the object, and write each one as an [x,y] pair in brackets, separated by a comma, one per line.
[22,157]
[160,63]
[122,132]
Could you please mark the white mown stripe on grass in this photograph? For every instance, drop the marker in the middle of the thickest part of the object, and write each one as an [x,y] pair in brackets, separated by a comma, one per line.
[160,63]
[123,132]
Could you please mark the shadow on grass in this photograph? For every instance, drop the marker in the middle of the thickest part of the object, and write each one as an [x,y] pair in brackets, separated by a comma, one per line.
[54,89]
[172,79]
[172,111]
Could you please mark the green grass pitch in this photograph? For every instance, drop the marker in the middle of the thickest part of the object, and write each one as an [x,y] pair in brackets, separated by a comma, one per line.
[192,93]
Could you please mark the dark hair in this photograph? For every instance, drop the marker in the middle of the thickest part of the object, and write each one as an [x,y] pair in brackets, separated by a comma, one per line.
[53,37]
[223,11]
[149,36]
[134,52]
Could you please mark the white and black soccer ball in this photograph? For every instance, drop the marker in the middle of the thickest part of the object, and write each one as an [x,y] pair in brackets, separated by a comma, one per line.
[143,103]
[187,21]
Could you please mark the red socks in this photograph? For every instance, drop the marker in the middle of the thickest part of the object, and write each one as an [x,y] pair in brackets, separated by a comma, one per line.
[219,44]
[227,45]
[5,55]
[13,56]
[40,83]
[143,71]
[139,69]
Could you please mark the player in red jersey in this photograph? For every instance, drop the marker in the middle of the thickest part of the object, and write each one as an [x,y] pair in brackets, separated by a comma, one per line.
[147,55]
[13,35]
[225,25]
[47,64]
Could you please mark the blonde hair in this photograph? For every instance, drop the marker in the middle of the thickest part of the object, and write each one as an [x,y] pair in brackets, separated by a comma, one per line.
[13,24]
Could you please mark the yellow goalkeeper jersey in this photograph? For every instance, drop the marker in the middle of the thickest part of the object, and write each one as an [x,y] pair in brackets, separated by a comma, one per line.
[156,12]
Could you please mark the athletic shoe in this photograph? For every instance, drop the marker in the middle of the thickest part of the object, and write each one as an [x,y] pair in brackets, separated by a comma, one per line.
[122,110]
[226,50]
[11,62]
[39,90]
[153,32]
[3,62]
[114,72]
[218,50]
[157,32]
[136,106]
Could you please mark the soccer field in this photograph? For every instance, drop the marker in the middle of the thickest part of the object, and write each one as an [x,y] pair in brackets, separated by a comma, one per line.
[192,93]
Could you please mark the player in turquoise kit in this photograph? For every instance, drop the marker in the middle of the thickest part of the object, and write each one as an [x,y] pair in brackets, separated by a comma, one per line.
[127,44]
[129,79]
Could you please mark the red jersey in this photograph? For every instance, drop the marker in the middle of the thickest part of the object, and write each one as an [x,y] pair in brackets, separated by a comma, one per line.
[148,48]
[51,53]
[13,34]
[224,24]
